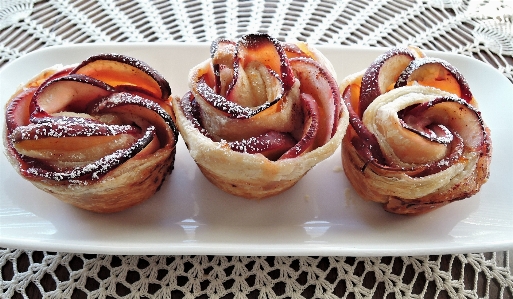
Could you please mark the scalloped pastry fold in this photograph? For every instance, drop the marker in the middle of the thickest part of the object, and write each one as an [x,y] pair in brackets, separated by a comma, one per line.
[260,114]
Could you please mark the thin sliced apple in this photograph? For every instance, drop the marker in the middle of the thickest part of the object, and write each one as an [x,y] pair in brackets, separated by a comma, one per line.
[18,110]
[152,147]
[191,109]
[453,113]
[95,169]
[261,76]
[150,111]
[69,127]
[311,114]
[271,144]
[382,74]
[116,69]
[320,84]
[268,51]
[228,108]
[436,73]
[69,93]
[259,70]
[222,51]
[293,50]
[364,142]
[63,152]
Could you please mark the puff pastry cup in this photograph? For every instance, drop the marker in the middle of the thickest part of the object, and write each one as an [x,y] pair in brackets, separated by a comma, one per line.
[260,114]
[416,139]
[98,135]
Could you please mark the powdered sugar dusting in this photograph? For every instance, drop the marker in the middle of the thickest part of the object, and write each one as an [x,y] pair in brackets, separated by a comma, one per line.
[68,127]
[82,110]
[97,168]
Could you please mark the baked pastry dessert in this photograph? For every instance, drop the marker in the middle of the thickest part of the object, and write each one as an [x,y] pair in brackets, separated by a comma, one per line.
[260,114]
[98,135]
[416,139]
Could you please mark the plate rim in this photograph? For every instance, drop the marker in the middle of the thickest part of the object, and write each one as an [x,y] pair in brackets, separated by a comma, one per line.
[228,249]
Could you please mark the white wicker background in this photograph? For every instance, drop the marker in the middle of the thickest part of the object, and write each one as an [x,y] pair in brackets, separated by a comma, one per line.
[482,29]
[473,27]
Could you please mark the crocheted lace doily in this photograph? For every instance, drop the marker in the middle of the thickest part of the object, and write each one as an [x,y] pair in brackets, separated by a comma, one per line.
[482,29]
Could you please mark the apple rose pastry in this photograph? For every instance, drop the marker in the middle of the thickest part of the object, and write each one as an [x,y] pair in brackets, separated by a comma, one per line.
[416,139]
[98,135]
[260,114]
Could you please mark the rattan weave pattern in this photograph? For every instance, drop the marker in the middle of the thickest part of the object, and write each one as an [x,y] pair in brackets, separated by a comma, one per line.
[482,29]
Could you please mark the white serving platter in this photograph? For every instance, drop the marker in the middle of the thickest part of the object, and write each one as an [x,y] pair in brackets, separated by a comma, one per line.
[321,215]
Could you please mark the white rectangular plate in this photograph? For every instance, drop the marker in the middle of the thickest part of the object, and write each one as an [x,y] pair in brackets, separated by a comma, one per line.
[321,215]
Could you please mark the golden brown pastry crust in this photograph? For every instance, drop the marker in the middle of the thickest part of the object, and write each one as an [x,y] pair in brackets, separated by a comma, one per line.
[131,183]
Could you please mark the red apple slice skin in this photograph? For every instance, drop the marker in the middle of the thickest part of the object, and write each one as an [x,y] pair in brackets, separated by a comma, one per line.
[318,82]
[272,144]
[419,70]
[71,93]
[69,127]
[149,109]
[311,120]
[382,73]
[35,168]
[116,69]
[18,110]
[365,142]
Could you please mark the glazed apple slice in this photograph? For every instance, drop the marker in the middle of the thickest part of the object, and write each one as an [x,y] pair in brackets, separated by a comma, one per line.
[254,86]
[260,75]
[119,70]
[364,142]
[142,110]
[62,127]
[429,120]
[271,144]
[311,113]
[69,93]
[63,141]
[277,145]
[265,50]
[382,74]
[227,108]
[437,73]
[17,112]
[94,169]
[71,152]
[248,106]
[222,53]
[317,82]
